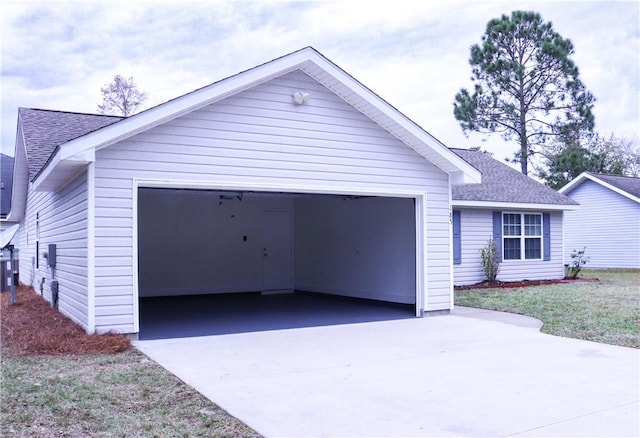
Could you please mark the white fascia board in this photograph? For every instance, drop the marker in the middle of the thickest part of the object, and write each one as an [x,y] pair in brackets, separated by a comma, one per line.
[459,178]
[571,184]
[512,205]
[462,172]
[81,151]
[179,106]
[59,172]
[20,183]
[583,176]
[46,173]
[429,147]
[617,190]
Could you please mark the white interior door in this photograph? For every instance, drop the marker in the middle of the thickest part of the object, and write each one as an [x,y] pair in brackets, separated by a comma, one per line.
[277,251]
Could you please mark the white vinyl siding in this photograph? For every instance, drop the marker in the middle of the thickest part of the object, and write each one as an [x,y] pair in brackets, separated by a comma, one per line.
[62,221]
[475,231]
[607,224]
[260,138]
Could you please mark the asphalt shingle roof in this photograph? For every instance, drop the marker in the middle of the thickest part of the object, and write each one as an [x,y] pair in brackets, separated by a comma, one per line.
[45,130]
[628,184]
[501,183]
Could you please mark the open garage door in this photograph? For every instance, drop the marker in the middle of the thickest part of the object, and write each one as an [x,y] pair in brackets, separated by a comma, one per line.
[228,249]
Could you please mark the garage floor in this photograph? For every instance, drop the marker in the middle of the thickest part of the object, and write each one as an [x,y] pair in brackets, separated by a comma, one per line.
[469,374]
[202,315]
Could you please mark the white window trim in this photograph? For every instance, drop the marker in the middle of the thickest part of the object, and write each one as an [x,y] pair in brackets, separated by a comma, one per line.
[523,237]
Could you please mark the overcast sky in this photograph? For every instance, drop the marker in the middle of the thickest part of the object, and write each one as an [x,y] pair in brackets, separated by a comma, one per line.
[414,54]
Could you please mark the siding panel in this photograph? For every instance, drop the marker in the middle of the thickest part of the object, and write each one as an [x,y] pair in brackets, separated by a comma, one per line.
[607,224]
[477,229]
[62,221]
[259,137]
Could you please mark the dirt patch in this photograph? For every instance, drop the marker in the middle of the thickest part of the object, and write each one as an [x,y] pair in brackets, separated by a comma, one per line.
[33,327]
[524,283]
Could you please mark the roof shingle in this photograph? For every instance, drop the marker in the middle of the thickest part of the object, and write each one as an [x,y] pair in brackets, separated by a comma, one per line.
[501,183]
[629,184]
[45,130]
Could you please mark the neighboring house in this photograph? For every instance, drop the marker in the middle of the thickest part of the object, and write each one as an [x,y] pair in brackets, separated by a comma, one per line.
[8,230]
[523,217]
[6,185]
[608,221]
[288,176]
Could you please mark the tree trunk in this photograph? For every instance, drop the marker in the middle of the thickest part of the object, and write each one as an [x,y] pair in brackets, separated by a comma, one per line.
[524,145]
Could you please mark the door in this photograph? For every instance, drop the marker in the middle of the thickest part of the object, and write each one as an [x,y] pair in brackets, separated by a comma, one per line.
[277,251]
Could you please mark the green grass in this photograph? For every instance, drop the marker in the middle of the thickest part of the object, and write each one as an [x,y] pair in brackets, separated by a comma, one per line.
[121,395]
[605,311]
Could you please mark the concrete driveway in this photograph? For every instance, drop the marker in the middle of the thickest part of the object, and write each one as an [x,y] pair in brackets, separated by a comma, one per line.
[471,373]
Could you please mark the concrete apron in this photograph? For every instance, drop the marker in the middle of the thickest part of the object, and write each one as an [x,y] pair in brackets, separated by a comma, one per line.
[472,373]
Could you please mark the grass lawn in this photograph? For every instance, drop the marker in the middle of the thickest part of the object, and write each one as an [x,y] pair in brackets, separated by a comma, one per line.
[605,311]
[58,381]
[106,395]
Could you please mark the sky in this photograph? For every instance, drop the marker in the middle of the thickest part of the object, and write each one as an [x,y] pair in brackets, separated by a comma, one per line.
[412,53]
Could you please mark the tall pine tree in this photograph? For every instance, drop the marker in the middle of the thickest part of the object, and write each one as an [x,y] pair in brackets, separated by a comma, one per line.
[526,87]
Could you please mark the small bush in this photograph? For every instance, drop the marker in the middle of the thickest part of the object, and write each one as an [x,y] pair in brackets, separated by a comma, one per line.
[578,260]
[490,261]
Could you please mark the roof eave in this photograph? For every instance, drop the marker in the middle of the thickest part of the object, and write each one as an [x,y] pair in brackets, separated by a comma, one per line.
[574,182]
[59,172]
[69,157]
[513,205]
[587,176]
[20,181]
[176,107]
[396,123]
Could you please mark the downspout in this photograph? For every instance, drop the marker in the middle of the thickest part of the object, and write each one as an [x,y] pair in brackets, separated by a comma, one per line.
[451,265]
[91,252]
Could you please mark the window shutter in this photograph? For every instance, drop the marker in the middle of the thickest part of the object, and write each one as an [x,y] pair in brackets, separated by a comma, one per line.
[546,236]
[497,232]
[457,243]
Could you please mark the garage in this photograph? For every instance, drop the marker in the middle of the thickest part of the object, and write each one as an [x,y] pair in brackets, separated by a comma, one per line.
[228,261]
[287,181]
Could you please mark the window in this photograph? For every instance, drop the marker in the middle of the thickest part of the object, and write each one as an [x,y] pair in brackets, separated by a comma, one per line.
[522,236]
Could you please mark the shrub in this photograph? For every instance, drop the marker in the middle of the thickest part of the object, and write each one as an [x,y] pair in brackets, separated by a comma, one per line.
[578,260]
[490,261]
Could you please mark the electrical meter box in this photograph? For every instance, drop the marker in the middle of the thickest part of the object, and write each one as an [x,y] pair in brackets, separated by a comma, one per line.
[51,257]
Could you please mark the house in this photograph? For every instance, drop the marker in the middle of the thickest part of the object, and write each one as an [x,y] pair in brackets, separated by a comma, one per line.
[608,221]
[521,215]
[289,176]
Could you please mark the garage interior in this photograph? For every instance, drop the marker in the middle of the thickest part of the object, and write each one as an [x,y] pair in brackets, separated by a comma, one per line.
[218,262]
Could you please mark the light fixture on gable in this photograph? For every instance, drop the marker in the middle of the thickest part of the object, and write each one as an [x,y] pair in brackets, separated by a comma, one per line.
[301,97]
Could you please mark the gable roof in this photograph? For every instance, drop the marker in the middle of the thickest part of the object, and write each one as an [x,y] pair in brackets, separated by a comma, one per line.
[45,130]
[503,186]
[69,157]
[627,186]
